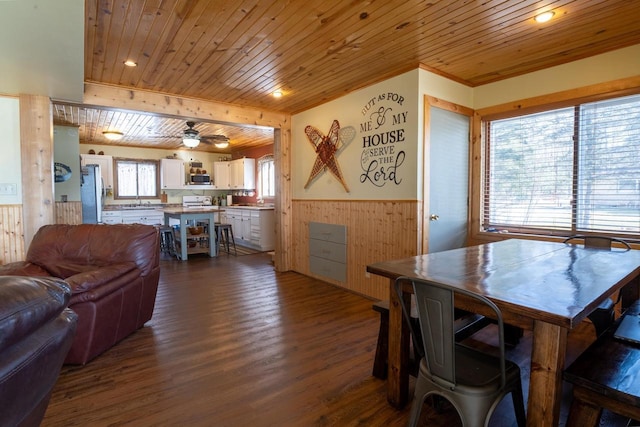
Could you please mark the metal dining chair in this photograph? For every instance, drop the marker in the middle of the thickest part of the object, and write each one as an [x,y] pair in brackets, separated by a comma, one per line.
[604,315]
[473,381]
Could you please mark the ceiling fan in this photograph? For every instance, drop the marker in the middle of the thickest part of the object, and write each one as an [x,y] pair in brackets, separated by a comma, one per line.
[191,138]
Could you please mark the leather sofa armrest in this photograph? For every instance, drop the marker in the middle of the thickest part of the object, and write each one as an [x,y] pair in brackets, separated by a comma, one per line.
[93,284]
[27,303]
[23,268]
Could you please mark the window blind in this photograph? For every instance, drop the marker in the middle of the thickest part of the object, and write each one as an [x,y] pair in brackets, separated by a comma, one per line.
[566,170]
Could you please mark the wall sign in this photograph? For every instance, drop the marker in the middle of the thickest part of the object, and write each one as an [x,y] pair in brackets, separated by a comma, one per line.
[383,139]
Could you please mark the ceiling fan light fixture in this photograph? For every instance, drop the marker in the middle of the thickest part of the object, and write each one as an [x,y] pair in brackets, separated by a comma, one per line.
[191,141]
[113,135]
[222,144]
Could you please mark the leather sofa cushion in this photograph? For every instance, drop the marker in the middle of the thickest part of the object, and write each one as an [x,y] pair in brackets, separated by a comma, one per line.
[27,303]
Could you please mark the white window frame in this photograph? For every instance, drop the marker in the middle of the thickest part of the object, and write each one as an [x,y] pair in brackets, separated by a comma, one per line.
[266,187]
[156,179]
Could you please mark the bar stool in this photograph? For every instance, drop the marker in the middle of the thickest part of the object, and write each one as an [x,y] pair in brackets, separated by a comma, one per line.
[167,245]
[224,236]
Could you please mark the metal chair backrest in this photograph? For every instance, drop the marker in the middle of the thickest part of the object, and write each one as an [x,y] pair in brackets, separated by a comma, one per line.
[435,305]
[597,242]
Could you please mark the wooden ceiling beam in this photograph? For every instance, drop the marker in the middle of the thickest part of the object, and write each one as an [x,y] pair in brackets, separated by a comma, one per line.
[118,97]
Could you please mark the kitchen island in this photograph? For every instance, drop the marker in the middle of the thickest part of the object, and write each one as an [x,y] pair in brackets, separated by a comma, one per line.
[187,243]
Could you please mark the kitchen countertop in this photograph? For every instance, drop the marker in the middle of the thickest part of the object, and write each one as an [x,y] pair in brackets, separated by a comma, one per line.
[174,206]
[182,210]
[255,208]
[124,208]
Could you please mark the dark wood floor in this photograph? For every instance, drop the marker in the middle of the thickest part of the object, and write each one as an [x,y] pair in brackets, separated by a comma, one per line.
[232,343]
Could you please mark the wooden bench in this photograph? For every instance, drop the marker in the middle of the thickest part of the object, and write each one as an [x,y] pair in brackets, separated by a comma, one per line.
[605,376]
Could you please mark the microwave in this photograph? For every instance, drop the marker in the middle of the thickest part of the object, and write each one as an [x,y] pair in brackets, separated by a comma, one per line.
[200,179]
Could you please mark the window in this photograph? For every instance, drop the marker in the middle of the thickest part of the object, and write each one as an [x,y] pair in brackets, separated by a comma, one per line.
[564,171]
[136,179]
[266,177]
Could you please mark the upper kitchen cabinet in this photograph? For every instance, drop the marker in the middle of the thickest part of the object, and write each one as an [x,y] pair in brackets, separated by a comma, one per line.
[239,174]
[172,174]
[242,174]
[221,175]
[106,167]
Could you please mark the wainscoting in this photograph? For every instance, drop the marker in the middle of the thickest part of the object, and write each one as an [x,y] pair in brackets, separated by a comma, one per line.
[69,213]
[12,237]
[12,233]
[376,231]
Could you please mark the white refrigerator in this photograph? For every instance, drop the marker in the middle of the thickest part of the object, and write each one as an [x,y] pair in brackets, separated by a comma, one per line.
[91,194]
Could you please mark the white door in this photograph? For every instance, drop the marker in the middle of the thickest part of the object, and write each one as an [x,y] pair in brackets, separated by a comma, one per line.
[447,213]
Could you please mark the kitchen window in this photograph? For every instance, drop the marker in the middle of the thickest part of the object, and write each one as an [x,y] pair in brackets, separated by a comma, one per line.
[136,179]
[564,171]
[266,177]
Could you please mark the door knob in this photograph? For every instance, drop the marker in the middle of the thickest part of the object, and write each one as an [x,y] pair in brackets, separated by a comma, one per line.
[434,217]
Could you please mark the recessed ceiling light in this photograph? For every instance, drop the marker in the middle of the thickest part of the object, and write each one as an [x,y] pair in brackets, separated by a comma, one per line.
[277,94]
[130,63]
[544,16]
[113,135]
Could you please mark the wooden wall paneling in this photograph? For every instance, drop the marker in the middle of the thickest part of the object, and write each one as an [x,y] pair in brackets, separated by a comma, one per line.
[36,152]
[476,170]
[68,212]
[11,239]
[376,230]
[284,237]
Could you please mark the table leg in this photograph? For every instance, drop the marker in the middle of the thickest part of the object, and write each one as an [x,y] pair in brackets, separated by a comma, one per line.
[213,241]
[398,374]
[545,384]
[183,238]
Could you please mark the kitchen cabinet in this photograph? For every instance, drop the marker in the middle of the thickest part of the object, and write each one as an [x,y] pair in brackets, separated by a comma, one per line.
[239,174]
[106,167]
[242,174]
[221,175]
[111,217]
[240,221]
[142,216]
[172,174]
[252,227]
[263,229]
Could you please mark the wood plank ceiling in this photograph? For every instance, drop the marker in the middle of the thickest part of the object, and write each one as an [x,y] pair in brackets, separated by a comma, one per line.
[317,50]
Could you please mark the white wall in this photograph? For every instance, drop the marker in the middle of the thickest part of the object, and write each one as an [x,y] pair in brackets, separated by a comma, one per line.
[207,159]
[381,172]
[10,167]
[66,150]
[42,45]
[372,165]
[615,65]
[173,196]
[358,108]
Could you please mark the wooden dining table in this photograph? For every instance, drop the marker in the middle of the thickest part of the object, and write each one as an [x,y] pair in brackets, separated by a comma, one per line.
[545,287]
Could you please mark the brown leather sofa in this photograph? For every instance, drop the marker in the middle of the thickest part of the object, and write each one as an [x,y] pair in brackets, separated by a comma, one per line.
[36,332]
[113,271]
